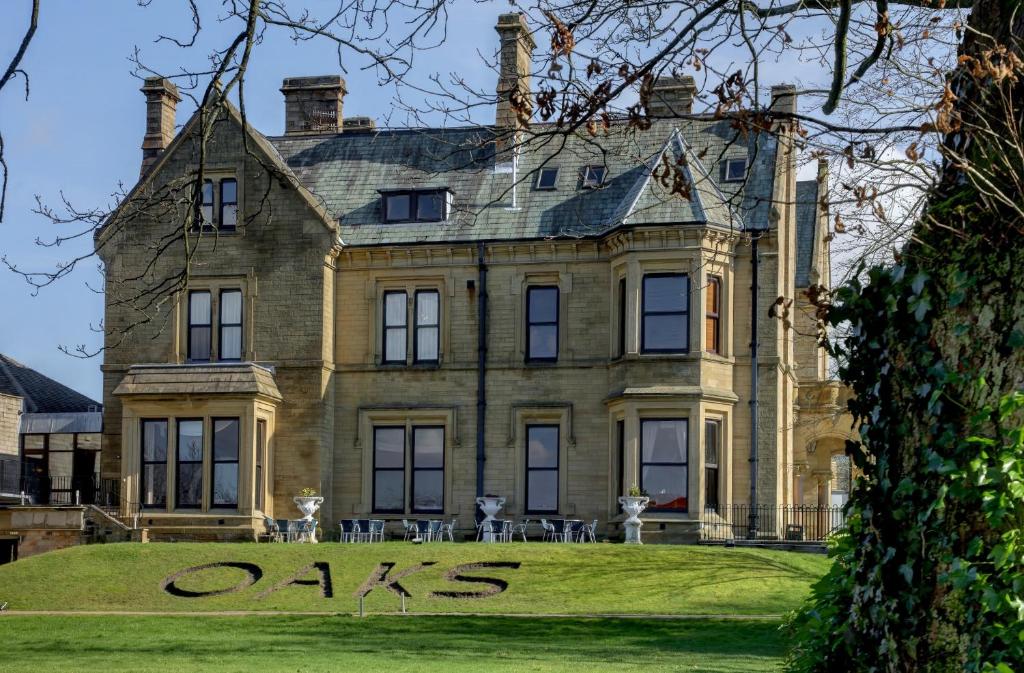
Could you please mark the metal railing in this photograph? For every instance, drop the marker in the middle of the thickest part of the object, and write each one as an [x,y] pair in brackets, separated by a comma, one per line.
[785,523]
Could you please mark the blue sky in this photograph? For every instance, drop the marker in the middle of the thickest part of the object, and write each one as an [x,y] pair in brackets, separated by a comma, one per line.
[81,129]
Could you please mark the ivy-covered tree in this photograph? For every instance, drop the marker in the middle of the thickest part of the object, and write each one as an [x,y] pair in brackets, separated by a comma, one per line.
[930,576]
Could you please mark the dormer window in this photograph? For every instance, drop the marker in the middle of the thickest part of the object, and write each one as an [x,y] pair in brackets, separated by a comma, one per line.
[426,205]
[735,169]
[547,178]
[593,176]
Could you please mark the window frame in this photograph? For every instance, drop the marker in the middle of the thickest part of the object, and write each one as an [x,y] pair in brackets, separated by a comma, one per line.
[143,463]
[221,325]
[686,463]
[202,223]
[208,326]
[178,462]
[557,469]
[413,469]
[732,161]
[417,326]
[414,196]
[404,327]
[713,317]
[260,462]
[214,462]
[530,359]
[713,471]
[539,182]
[589,179]
[374,470]
[623,300]
[221,203]
[644,313]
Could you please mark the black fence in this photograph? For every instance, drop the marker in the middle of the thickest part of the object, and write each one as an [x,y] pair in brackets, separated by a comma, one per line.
[771,523]
[17,480]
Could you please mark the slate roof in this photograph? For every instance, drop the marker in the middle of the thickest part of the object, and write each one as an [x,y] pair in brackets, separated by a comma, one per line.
[346,171]
[806,229]
[41,394]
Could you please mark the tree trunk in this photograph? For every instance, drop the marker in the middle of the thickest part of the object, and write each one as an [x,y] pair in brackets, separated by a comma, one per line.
[931,575]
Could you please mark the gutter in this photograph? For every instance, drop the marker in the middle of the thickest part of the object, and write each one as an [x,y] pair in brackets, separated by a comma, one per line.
[481,368]
[755,262]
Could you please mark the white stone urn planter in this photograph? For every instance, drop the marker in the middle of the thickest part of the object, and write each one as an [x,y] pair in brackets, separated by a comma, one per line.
[632,505]
[308,505]
[490,505]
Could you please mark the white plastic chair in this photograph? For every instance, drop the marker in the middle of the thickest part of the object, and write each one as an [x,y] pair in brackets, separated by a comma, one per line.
[549,530]
[410,530]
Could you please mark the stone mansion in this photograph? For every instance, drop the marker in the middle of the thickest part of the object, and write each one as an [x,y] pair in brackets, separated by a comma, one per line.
[405,320]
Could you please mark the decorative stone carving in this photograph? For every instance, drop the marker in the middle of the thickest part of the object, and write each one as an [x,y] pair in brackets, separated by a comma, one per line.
[308,505]
[490,505]
[632,506]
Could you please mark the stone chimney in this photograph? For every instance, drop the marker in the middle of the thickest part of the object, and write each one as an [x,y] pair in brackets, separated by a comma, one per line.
[784,98]
[672,97]
[514,65]
[161,105]
[313,104]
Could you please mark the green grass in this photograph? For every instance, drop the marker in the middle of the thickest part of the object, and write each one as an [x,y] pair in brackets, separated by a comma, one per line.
[552,579]
[574,580]
[393,644]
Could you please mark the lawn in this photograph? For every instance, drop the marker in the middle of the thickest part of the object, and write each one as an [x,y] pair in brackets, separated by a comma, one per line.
[452,644]
[551,578]
[449,634]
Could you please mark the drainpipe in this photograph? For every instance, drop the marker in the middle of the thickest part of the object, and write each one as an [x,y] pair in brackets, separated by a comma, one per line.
[481,370]
[755,262]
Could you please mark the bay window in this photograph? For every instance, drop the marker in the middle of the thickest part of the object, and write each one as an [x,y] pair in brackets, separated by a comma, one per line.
[665,328]
[261,459]
[663,463]
[189,464]
[712,455]
[224,487]
[153,481]
[712,317]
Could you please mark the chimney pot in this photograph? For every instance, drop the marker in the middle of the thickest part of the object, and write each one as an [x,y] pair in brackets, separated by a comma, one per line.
[672,97]
[313,104]
[161,106]
[359,124]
